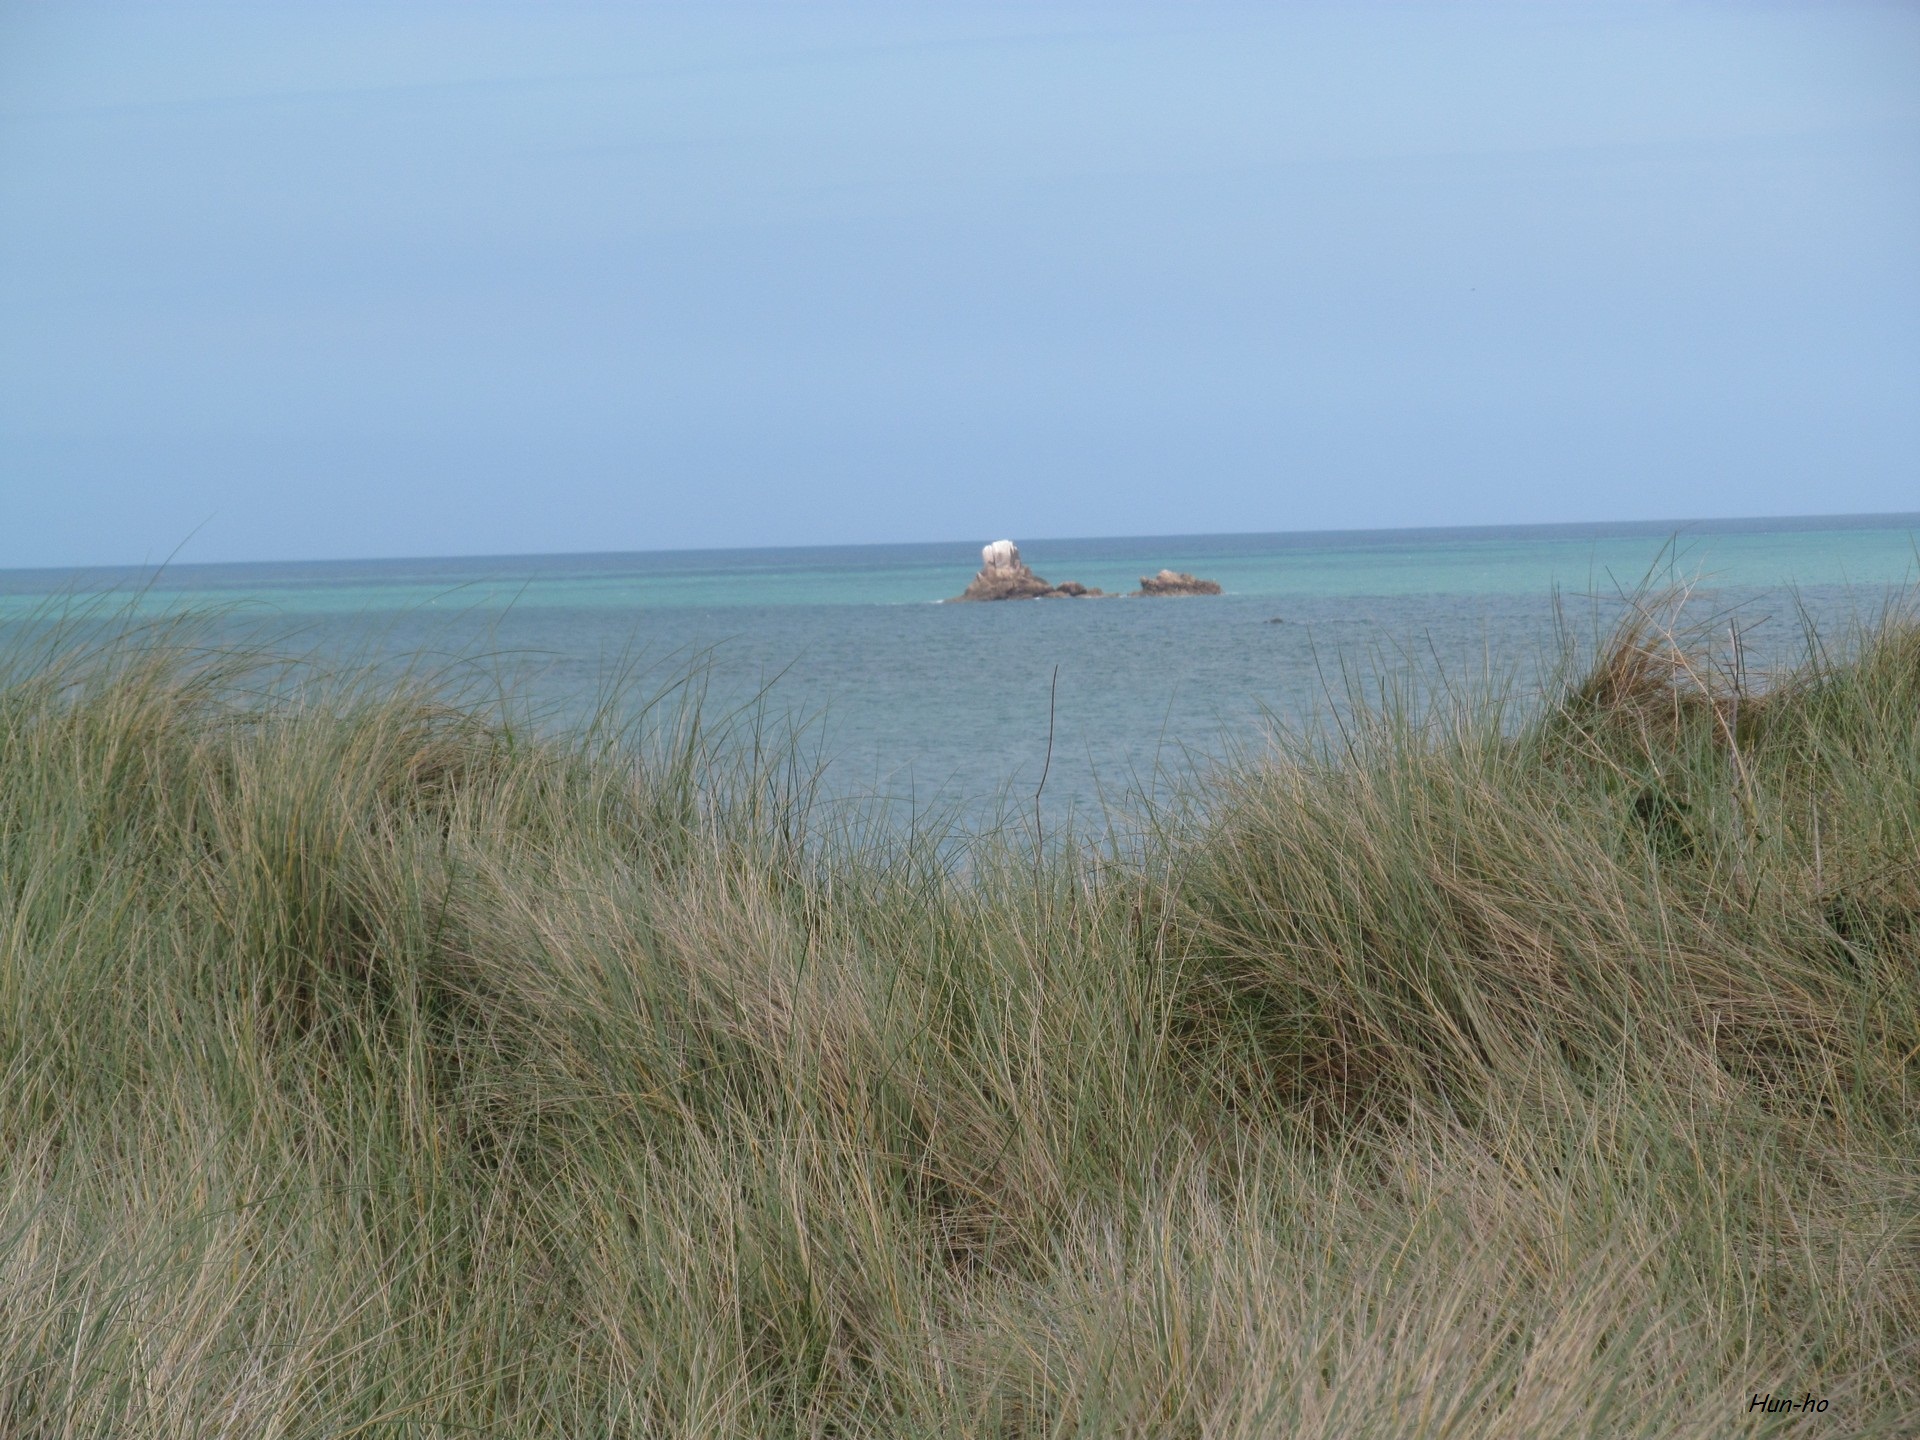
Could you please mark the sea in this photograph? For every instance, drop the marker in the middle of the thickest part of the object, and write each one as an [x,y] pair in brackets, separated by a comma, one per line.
[1064,713]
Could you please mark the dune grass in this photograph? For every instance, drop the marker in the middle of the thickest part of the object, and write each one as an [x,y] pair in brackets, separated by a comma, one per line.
[371,1064]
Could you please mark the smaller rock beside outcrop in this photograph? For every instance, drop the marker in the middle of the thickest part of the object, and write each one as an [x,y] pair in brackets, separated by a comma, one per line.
[1177,582]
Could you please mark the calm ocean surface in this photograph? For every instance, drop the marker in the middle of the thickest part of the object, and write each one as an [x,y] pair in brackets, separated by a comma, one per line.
[930,705]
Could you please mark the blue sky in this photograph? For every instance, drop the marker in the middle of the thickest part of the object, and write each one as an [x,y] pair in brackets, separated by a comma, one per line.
[328,280]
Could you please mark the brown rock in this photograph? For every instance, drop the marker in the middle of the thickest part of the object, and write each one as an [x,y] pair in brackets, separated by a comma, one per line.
[1021,584]
[1177,582]
[1005,576]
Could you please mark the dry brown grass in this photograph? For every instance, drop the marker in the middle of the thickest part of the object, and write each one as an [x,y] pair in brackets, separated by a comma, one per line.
[367,1067]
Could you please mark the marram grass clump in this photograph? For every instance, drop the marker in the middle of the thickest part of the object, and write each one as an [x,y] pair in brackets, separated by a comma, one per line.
[373,1065]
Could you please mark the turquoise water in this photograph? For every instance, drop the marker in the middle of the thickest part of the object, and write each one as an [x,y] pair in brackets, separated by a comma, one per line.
[929,705]
[1512,561]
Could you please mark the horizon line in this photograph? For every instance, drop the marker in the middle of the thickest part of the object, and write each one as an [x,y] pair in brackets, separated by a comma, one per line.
[1889,519]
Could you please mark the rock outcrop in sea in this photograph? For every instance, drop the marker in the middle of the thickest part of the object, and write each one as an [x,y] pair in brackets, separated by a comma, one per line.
[1005,576]
[1177,582]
